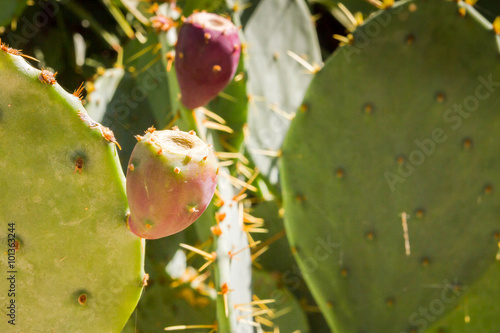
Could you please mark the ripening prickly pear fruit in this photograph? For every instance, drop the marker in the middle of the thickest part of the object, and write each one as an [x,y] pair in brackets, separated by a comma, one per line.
[206,57]
[171,179]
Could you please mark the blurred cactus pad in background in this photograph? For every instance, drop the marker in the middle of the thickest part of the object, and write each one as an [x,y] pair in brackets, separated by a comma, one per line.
[292,166]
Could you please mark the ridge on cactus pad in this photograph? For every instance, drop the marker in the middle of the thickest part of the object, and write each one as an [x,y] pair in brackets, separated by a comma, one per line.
[206,57]
[401,213]
[171,179]
[75,267]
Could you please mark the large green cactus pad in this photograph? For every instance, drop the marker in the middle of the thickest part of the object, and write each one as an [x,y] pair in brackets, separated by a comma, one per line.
[78,268]
[403,121]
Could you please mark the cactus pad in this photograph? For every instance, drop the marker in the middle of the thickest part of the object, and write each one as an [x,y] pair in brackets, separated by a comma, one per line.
[78,268]
[391,198]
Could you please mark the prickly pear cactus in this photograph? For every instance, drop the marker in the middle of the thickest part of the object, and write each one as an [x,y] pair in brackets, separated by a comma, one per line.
[72,264]
[278,49]
[391,199]
[207,54]
[171,179]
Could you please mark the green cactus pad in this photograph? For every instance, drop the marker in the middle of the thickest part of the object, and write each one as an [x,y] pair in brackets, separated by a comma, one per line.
[276,82]
[77,266]
[403,121]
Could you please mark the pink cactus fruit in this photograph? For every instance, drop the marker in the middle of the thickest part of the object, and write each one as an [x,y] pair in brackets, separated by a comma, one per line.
[171,179]
[206,57]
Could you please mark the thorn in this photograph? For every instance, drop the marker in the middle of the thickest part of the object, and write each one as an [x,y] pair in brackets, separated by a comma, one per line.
[230,155]
[312,69]
[190,327]
[216,126]
[224,290]
[376,3]
[271,153]
[212,115]
[210,257]
[249,182]
[78,92]
[238,182]
[286,115]
[240,197]
[170,59]
[232,254]
[344,40]
[348,14]
[404,217]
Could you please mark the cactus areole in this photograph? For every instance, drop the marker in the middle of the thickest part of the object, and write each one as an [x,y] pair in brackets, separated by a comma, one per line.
[206,57]
[171,179]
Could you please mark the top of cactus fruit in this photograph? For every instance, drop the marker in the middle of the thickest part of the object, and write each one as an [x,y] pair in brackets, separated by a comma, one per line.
[176,142]
[211,21]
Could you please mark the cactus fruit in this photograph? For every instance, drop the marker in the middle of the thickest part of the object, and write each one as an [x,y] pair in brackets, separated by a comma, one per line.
[206,57]
[171,179]
[410,123]
[77,267]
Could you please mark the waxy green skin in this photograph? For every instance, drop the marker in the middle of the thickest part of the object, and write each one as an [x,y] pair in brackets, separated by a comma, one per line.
[167,191]
[403,121]
[62,186]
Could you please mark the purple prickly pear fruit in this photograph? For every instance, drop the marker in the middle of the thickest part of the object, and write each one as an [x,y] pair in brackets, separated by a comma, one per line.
[171,179]
[206,57]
